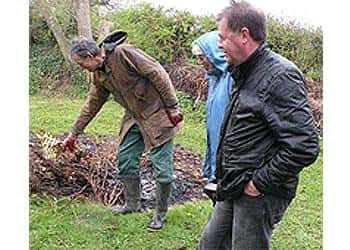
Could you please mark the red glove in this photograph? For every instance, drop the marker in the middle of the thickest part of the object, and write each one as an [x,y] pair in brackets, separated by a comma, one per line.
[175,116]
[69,143]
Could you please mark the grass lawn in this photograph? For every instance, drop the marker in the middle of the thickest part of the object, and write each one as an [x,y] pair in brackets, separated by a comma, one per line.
[54,225]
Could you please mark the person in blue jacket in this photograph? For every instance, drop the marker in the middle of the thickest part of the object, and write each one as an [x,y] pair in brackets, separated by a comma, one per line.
[212,58]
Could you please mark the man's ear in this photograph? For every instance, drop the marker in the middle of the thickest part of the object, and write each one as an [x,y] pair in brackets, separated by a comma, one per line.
[245,35]
[89,55]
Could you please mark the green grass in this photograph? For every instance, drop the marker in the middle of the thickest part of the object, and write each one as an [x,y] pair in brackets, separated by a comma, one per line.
[301,227]
[91,226]
[56,115]
[54,225]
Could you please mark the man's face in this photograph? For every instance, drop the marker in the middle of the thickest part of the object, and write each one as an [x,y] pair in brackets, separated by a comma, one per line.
[203,60]
[230,43]
[89,63]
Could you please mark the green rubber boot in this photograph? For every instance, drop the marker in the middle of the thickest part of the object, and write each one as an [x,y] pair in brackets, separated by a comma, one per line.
[132,196]
[162,196]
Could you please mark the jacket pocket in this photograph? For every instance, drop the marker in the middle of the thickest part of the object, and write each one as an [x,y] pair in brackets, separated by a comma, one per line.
[140,89]
[150,110]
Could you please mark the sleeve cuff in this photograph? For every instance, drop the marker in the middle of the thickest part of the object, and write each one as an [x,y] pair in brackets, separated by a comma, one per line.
[174,106]
[257,185]
[75,131]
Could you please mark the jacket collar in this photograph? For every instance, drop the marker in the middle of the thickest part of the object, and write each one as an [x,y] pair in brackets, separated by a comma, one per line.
[242,70]
[104,68]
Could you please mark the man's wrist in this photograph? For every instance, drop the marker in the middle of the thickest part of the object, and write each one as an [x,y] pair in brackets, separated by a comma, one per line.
[75,131]
[74,136]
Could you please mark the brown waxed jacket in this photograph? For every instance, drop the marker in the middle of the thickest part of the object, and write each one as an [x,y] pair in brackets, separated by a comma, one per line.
[142,86]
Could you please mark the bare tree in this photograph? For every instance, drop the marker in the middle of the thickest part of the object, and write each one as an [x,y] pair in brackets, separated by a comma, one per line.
[82,10]
[104,28]
[48,13]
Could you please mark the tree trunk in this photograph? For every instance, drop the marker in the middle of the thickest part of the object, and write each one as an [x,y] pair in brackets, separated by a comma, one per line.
[104,28]
[54,26]
[82,10]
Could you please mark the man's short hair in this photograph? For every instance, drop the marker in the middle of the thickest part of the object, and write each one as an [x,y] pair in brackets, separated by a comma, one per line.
[84,47]
[243,14]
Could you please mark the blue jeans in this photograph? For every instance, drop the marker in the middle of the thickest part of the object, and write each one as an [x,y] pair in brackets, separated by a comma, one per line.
[243,224]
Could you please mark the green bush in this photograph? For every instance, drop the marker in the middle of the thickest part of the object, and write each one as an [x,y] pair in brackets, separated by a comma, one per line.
[301,45]
[39,30]
[166,35]
[44,67]
[46,60]
[34,82]
[197,114]
[48,71]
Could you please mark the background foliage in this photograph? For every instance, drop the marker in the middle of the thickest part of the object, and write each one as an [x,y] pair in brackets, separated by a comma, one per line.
[165,34]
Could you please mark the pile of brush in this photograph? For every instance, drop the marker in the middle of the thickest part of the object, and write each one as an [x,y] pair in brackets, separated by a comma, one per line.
[91,172]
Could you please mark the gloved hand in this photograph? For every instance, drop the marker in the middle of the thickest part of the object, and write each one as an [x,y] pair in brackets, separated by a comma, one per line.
[69,143]
[175,115]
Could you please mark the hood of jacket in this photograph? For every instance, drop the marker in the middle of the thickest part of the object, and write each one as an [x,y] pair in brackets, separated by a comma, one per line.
[209,45]
[113,39]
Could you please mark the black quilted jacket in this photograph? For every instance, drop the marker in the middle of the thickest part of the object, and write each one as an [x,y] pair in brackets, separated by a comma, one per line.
[268,132]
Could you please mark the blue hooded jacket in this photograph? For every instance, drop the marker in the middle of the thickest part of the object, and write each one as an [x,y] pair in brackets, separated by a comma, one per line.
[219,90]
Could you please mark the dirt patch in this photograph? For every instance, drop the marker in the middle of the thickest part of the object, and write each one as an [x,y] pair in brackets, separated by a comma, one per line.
[91,172]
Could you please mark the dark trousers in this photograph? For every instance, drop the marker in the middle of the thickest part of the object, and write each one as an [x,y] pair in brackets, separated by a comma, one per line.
[243,224]
[130,151]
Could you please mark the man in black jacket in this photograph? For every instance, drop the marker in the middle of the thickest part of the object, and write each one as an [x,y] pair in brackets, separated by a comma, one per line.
[267,136]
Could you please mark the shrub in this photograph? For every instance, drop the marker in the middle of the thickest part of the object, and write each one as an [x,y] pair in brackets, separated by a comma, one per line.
[301,45]
[196,115]
[44,67]
[39,30]
[166,35]
[48,72]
